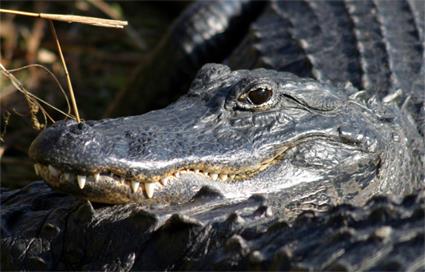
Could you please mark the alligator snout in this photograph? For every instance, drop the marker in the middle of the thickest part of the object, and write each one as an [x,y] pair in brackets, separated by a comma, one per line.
[68,145]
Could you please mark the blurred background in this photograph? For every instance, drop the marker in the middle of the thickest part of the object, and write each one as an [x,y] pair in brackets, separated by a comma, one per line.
[100,61]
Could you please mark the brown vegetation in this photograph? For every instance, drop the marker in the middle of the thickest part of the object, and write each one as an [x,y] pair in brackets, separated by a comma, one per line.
[100,62]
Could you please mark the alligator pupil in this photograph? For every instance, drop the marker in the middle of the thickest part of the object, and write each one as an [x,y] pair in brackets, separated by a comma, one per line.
[259,96]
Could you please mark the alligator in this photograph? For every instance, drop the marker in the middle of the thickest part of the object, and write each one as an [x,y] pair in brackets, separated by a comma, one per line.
[333,117]
[239,132]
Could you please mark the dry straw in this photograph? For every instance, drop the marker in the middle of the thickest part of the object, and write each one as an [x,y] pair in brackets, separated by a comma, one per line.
[70,19]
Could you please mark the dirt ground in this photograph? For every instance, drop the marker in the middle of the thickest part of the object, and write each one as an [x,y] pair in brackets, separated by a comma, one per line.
[100,63]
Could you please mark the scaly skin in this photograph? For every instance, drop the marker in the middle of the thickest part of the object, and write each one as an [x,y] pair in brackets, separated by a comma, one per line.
[44,230]
[358,144]
[303,132]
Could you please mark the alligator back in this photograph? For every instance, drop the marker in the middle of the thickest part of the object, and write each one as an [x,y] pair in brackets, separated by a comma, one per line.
[44,230]
[375,45]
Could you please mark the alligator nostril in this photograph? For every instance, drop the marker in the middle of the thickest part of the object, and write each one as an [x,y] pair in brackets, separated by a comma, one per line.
[79,128]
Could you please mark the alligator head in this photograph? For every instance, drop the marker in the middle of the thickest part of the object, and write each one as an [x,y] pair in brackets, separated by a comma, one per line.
[241,132]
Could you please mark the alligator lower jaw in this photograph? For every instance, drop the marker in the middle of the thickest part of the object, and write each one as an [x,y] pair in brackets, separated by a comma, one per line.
[144,188]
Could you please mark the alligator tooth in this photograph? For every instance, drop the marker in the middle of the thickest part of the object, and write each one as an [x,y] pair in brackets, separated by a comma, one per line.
[53,171]
[223,177]
[36,169]
[164,181]
[232,176]
[197,171]
[177,174]
[214,176]
[96,177]
[150,189]
[81,181]
[135,185]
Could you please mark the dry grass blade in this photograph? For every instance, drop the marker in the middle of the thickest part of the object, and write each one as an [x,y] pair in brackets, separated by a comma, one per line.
[4,123]
[68,78]
[71,18]
[33,101]
[105,8]
[52,75]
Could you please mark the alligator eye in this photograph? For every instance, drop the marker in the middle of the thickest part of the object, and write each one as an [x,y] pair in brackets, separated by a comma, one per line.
[259,96]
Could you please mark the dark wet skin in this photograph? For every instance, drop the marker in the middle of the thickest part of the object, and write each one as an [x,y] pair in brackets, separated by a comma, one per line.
[241,132]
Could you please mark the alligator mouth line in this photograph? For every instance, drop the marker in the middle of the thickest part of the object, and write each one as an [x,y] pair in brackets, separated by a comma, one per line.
[147,185]
[55,176]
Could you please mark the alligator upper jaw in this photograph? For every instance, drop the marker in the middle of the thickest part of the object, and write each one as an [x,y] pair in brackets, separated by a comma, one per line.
[174,181]
[160,181]
[132,159]
[108,186]
[181,184]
